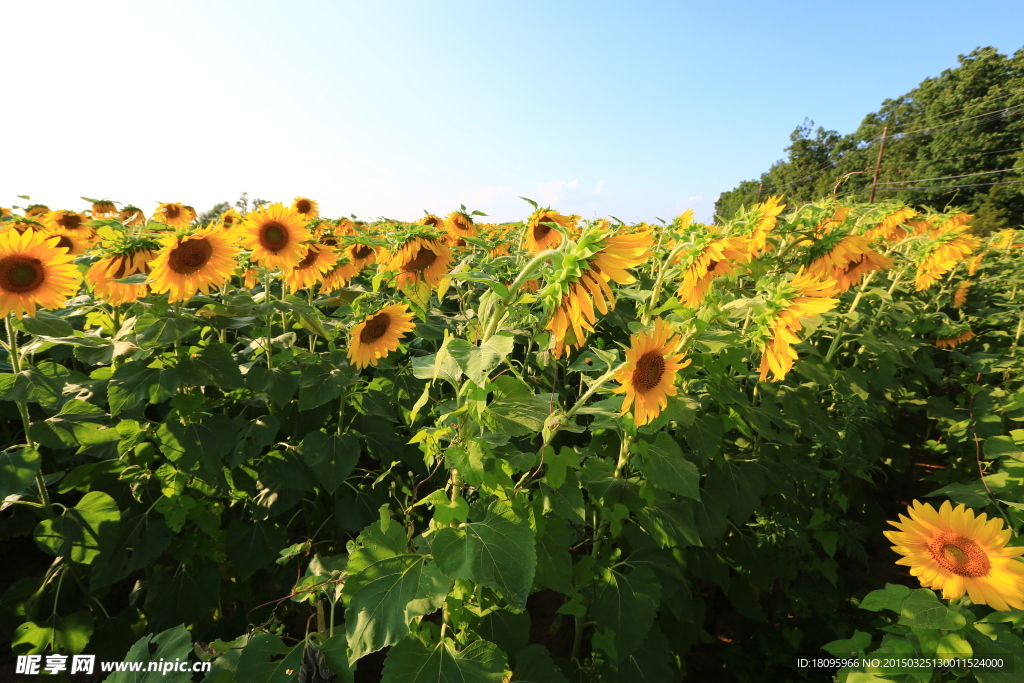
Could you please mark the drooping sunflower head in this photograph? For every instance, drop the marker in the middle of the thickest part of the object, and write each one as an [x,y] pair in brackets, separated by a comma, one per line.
[230,218]
[132,215]
[132,259]
[103,208]
[192,263]
[539,236]
[74,242]
[950,549]
[318,261]
[360,254]
[420,259]
[36,210]
[174,215]
[460,224]
[430,220]
[648,378]
[34,272]
[275,234]
[307,208]
[379,334]
[21,224]
[67,220]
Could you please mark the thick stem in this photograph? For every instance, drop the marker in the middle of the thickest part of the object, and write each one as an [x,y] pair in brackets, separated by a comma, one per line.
[270,317]
[15,356]
[499,308]
[652,304]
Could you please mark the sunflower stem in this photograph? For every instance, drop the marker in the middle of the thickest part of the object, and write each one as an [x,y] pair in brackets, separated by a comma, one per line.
[656,292]
[270,316]
[499,308]
[15,356]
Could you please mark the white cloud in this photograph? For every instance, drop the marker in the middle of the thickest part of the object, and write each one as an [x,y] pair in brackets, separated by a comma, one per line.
[484,197]
[695,198]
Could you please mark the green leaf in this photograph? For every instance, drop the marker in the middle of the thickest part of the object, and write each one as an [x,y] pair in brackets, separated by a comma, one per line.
[849,647]
[923,610]
[205,443]
[253,546]
[261,663]
[1002,447]
[188,596]
[320,384]
[390,593]
[277,383]
[891,598]
[413,662]
[83,532]
[664,464]
[332,457]
[166,646]
[214,366]
[515,410]
[669,522]
[134,381]
[18,468]
[33,385]
[440,364]
[47,324]
[705,437]
[478,361]
[554,563]
[652,661]
[626,604]
[497,553]
[567,500]
[154,330]
[535,665]
[56,633]
[253,437]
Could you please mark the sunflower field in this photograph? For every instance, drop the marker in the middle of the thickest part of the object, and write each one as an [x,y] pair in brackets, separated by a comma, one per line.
[783,448]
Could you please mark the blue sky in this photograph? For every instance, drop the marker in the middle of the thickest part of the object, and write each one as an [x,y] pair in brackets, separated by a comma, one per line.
[388,108]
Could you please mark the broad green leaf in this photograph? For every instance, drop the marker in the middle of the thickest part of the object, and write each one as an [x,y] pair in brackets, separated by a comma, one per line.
[34,385]
[213,366]
[891,598]
[515,410]
[923,610]
[259,662]
[567,500]
[134,381]
[413,662]
[440,365]
[277,383]
[143,538]
[253,546]
[556,463]
[18,468]
[626,603]
[850,647]
[188,595]
[380,609]
[1002,446]
[166,646]
[478,361]
[705,437]
[332,457]
[535,665]
[83,532]
[69,634]
[663,463]
[335,655]
[320,384]
[47,324]
[651,663]
[554,563]
[253,437]
[154,331]
[669,522]
[496,552]
[205,443]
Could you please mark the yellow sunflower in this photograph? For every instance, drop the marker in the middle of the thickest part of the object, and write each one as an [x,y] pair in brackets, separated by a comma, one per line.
[960,295]
[767,213]
[810,300]
[34,272]
[103,208]
[74,242]
[1004,239]
[36,210]
[361,255]
[307,208]
[952,550]
[69,221]
[539,237]
[420,259]
[193,263]
[953,342]
[319,260]
[848,261]
[275,234]
[459,224]
[338,276]
[132,215]
[649,376]
[941,256]
[717,258]
[891,227]
[116,266]
[174,215]
[230,219]
[378,335]
[972,265]
[431,220]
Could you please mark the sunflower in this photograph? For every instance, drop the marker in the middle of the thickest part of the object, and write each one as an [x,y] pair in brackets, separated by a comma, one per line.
[1004,239]
[174,215]
[972,265]
[539,237]
[807,297]
[848,261]
[460,224]
[69,221]
[361,255]
[318,261]
[952,550]
[34,272]
[132,215]
[36,210]
[275,234]
[307,208]
[891,227]
[717,258]
[21,224]
[420,259]
[5,212]
[941,256]
[338,276]
[648,378]
[103,208]
[432,221]
[230,219]
[960,296]
[191,263]
[116,266]
[379,334]
[74,242]
[953,342]
[767,215]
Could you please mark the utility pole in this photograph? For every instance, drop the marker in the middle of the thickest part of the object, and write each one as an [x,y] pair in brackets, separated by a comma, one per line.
[760,186]
[878,165]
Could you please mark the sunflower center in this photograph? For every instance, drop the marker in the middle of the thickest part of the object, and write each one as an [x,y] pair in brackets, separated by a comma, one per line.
[852,265]
[118,272]
[959,555]
[375,328]
[309,259]
[273,237]
[303,206]
[64,242]
[172,212]
[540,232]
[648,372]
[190,256]
[70,222]
[424,258]
[21,274]
[362,251]
[711,265]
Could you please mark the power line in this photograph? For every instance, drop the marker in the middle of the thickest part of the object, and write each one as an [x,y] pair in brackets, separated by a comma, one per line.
[948,177]
[995,99]
[985,118]
[953,187]
[959,156]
